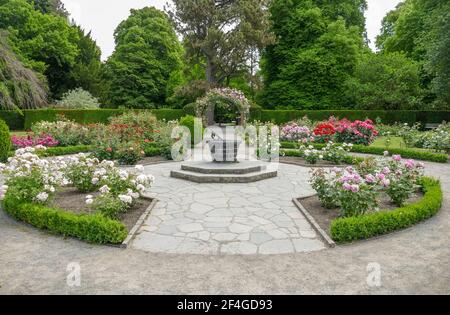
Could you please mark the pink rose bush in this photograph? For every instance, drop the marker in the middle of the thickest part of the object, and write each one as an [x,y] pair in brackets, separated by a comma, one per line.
[357,132]
[356,190]
[32,141]
[294,132]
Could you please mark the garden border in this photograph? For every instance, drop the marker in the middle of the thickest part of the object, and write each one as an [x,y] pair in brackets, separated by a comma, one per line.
[408,153]
[133,232]
[368,226]
[313,222]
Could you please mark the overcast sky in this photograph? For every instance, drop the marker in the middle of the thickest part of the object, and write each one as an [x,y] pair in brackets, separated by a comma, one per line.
[102,17]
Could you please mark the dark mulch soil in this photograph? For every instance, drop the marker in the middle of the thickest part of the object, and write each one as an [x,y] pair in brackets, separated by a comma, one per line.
[302,162]
[324,216]
[73,201]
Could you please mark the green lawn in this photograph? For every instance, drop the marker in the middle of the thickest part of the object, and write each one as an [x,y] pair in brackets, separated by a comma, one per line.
[396,142]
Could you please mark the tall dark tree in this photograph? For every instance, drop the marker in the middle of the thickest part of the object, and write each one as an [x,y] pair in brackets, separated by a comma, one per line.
[147,60]
[318,43]
[224,33]
[87,70]
[50,7]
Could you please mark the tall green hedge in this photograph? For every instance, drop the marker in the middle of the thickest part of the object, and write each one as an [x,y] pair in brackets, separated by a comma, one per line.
[90,116]
[387,117]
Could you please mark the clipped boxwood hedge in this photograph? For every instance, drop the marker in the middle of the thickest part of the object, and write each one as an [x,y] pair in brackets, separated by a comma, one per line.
[408,153]
[344,230]
[91,228]
[347,160]
[56,151]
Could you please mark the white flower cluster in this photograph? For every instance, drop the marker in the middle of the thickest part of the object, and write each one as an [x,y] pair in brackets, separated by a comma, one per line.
[58,172]
[26,163]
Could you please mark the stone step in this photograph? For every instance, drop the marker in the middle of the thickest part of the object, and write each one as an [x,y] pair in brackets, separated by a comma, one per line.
[223,178]
[227,168]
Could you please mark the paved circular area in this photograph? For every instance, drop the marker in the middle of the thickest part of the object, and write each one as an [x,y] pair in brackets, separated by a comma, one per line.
[255,218]
[412,261]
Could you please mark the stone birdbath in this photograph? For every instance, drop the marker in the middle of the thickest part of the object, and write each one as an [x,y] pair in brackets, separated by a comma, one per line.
[223,150]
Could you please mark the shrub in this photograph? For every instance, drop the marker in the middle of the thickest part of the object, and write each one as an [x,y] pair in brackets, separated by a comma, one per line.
[5,141]
[357,132]
[345,230]
[66,132]
[295,132]
[32,141]
[129,153]
[78,99]
[195,127]
[109,206]
[91,228]
[142,119]
[324,132]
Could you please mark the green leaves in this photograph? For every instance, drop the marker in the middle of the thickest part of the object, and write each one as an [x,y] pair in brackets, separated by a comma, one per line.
[147,55]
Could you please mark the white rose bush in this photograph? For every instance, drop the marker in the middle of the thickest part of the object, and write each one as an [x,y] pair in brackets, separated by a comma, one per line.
[30,179]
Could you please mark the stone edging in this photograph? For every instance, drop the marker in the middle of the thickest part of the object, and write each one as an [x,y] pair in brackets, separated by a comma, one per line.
[313,222]
[140,221]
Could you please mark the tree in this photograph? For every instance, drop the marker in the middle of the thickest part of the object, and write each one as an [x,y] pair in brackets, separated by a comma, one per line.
[45,42]
[315,54]
[146,60]
[20,87]
[223,32]
[87,70]
[50,7]
[420,30]
[385,81]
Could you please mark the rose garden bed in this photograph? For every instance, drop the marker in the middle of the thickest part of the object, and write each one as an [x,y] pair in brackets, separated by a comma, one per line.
[325,217]
[71,200]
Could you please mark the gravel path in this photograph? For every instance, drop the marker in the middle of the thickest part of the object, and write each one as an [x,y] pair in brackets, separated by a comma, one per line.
[413,261]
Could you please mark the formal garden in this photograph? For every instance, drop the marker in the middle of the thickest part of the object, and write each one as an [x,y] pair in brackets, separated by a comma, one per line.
[250,129]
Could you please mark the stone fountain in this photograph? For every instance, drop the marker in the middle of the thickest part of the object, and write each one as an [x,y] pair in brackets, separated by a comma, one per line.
[224,166]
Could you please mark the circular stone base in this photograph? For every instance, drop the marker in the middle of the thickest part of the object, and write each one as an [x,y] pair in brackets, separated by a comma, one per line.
[209,172]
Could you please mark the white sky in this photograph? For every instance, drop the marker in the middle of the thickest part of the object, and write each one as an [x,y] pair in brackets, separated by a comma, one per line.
[103,16]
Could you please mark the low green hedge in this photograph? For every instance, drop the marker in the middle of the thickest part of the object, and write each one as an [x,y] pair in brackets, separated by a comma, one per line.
[56,151]
[344,230]
[408,153]
[352,160]
[387,116]
[91,228]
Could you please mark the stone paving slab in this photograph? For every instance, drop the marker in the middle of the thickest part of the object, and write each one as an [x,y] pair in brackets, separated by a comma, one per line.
[254,218]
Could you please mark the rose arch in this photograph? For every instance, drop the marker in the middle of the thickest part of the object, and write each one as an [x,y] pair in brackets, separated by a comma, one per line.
[223,105]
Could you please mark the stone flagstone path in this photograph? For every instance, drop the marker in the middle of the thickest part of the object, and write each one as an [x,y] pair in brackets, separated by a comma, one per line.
[256,218]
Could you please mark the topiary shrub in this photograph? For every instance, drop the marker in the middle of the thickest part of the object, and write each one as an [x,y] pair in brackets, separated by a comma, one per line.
[191,123]
[5,141]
